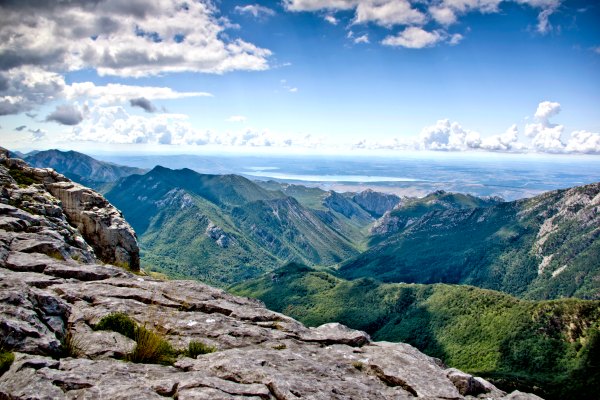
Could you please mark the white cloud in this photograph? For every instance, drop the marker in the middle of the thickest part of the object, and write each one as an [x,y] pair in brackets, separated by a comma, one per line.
[362,39]
[388,13]
[446,135]
[256,10]
[584,142]
[547,8]
[507,141]
[455,39]
[443,15]
[331,19]
[413,38]
[236,118]
[316,5]
[113,124]
[40,41]
[546,137]
[139,39]
[546,110]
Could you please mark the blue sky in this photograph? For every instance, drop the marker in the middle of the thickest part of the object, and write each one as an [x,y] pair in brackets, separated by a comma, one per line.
[302,76]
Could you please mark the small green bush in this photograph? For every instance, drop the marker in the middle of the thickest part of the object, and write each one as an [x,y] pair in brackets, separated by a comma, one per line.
[151,348]
[118,322]
[20,177]
[6,360]
[195,348]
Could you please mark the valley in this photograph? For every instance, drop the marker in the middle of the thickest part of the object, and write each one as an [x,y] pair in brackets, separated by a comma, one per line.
[507,290]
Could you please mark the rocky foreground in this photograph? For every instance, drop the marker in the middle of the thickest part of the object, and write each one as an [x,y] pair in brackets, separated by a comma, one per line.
[57,243]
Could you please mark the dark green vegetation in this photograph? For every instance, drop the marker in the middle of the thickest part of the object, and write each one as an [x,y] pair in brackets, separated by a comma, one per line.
[549,344]
[6,360]
[21,178]
[151,347]
[117,322]
[224,229]
[80,167]
[540,248]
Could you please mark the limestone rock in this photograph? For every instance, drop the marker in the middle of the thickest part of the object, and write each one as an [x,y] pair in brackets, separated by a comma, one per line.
[376,203]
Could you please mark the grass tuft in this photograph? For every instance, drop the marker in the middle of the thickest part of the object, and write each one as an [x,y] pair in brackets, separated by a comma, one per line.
[151,348]
[118,322]
[195,348]
[71,346]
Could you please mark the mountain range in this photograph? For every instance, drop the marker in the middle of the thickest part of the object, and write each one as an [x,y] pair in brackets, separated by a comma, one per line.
[417,270]
[80,167]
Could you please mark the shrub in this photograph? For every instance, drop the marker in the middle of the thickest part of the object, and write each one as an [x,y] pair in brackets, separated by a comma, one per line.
[20,177]
[195,348]
[151,348]
[118,322]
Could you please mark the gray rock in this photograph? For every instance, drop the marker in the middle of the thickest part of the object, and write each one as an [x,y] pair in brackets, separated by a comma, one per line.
[376,203]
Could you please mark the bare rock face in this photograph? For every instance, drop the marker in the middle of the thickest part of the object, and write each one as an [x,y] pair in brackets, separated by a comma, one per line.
[376,203]
[53,292]
[47,193]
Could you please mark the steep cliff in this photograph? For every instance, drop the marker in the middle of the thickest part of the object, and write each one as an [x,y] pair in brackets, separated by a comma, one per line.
[53,295]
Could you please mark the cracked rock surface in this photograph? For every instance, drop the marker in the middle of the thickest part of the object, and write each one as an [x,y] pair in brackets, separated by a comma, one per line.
[53,284]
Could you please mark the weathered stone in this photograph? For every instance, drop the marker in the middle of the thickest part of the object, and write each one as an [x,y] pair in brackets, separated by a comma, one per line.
[334,333]
[465,383]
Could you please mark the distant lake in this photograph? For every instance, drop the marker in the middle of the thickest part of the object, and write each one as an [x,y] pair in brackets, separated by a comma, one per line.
[484,174]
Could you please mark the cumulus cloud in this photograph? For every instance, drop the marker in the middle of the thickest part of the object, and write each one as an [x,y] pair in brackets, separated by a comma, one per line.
[446,135]
[143,103]
[546,136]
[443,15]
[546,110]
[418,13]
[388,13]
[507,141]
[584,142]
[66,115]
[137,39]
[27,88]
[113,124]
[40,41]
[256,10]
[413,38]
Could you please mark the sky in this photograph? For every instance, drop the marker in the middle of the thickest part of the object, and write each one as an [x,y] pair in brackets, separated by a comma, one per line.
[301,76]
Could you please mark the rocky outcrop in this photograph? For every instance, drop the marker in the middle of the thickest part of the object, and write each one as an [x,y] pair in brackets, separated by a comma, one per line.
[50,195]
[376,203]
[341,204]
[53,294]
